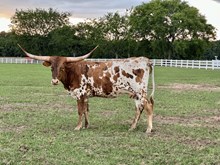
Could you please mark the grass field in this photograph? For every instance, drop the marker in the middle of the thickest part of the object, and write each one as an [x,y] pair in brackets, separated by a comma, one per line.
[37,121]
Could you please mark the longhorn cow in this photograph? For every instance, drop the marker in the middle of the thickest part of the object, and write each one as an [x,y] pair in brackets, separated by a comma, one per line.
[84,79]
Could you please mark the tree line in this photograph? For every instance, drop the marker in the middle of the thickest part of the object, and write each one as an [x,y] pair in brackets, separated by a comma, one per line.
[158,29]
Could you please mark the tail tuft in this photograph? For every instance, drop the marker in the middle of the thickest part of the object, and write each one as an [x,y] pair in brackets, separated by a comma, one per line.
[152,100]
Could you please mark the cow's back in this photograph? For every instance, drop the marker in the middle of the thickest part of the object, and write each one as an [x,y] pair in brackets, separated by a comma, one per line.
[107,79]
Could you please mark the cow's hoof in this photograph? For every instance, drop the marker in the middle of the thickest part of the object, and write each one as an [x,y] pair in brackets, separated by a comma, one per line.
[77,129]
[87,126]
[131,129]
[149,131]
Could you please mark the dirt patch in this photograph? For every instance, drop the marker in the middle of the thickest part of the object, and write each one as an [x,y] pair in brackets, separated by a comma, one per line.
[191,121]
[166,134]
[198,143]
[17,129]
[18,106]
[34,106]
[183,87]
[107,113]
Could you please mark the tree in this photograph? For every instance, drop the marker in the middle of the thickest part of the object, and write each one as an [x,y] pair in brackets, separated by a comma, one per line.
[38,21]
[115,29]
[109,31]
[213,51]
[191,50]
[8,44]
[166,21]
[63,41]
[114,26]
[90,30]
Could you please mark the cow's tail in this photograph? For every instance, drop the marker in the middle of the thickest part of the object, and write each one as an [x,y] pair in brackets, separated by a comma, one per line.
[153,84]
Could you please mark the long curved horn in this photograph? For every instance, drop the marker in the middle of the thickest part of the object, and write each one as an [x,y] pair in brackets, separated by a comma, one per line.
[42,58]
[75,59]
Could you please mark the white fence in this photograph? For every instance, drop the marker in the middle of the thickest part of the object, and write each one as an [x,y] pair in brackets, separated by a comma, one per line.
[17,60]
[200,64]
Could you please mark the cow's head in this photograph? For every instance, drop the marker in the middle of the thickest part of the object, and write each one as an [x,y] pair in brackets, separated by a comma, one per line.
[57,63]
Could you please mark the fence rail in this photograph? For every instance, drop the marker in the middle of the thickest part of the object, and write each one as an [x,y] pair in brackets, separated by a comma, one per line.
[17,60]
[200,64]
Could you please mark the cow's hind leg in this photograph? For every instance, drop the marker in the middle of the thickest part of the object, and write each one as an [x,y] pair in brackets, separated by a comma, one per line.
[148,107]
[139,109]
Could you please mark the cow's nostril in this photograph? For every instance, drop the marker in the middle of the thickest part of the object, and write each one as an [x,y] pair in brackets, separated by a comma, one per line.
[54,81]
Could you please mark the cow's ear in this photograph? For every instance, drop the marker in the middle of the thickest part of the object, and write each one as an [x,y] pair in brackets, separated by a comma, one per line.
[46,63]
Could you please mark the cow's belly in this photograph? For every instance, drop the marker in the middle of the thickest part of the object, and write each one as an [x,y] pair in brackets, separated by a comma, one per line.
[98,92]
[92,92]
[116,90]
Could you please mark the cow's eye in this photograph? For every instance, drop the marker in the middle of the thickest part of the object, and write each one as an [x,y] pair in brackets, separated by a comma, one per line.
[61,69]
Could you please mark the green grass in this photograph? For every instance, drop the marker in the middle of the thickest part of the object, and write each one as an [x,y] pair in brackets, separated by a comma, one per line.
[37,122]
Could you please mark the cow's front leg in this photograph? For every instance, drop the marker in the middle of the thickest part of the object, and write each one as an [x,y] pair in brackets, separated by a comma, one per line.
[83,109]
[80,105]
[86,113]
[80,113]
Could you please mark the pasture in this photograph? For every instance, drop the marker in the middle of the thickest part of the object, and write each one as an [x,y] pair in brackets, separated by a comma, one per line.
[37,121]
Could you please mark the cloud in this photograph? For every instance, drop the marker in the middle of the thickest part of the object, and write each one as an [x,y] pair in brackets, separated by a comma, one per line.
[217,1]
[78,8]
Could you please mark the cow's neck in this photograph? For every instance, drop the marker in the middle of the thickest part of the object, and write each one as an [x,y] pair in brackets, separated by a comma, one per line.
[73,73]
[65,82]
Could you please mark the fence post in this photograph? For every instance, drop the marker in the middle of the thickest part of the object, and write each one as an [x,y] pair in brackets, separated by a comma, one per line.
[213,65]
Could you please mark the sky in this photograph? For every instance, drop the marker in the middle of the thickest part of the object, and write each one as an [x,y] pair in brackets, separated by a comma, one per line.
[82,9]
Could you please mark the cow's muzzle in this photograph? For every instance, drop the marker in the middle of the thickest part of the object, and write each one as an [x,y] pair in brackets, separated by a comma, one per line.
[55,81]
